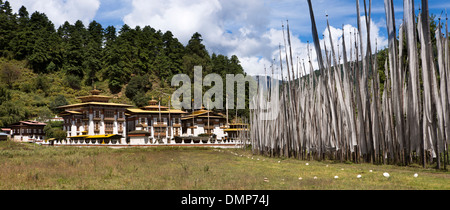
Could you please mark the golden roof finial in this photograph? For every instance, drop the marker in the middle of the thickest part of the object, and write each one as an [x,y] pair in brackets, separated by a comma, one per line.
[95,91]
[152,102]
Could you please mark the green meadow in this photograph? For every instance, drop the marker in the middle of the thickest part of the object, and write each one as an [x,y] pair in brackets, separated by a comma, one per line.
[33,167]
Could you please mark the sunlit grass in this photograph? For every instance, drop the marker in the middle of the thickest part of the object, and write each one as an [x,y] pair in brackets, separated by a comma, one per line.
[28,167]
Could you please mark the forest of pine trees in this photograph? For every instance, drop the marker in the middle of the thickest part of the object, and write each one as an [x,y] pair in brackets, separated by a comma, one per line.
[42,56]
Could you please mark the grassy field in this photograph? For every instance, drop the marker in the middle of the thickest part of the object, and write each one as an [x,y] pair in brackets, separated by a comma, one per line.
[30,167]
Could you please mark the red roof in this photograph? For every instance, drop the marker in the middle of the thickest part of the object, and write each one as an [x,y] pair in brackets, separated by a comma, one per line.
[30,122]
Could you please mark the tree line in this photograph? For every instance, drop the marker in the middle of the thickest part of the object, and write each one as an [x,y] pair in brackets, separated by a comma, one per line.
[94,53]
[124,58]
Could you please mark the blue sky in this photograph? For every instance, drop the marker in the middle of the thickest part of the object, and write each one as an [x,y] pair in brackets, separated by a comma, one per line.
[250,29]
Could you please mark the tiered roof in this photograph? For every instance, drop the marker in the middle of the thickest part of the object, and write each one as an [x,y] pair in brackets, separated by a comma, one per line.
[203,113]
[154,108]
[94,99]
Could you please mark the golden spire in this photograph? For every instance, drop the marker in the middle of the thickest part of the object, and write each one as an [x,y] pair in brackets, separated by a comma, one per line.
[95,91]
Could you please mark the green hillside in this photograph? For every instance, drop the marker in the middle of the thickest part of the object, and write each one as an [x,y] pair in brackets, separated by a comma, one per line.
[43,67]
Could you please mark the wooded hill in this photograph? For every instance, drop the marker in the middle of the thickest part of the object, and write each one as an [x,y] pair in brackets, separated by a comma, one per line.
[43,67]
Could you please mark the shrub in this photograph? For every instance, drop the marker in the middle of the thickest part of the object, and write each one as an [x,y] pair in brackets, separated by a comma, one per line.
[42,82]
[73,81]
[9,74]
[137,84]
[141,99]
[59,100]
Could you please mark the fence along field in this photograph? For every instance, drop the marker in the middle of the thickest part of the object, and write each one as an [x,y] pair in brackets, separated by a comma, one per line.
[341,113]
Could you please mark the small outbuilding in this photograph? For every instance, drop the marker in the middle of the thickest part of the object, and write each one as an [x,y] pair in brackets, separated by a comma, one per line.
[3,137]
[139,136]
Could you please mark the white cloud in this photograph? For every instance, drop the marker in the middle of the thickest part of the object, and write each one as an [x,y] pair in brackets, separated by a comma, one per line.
[255,65]
[59,11]
[229,27]
[182,18]
[242,28]
[299,50]
[376,39]
[249,29]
